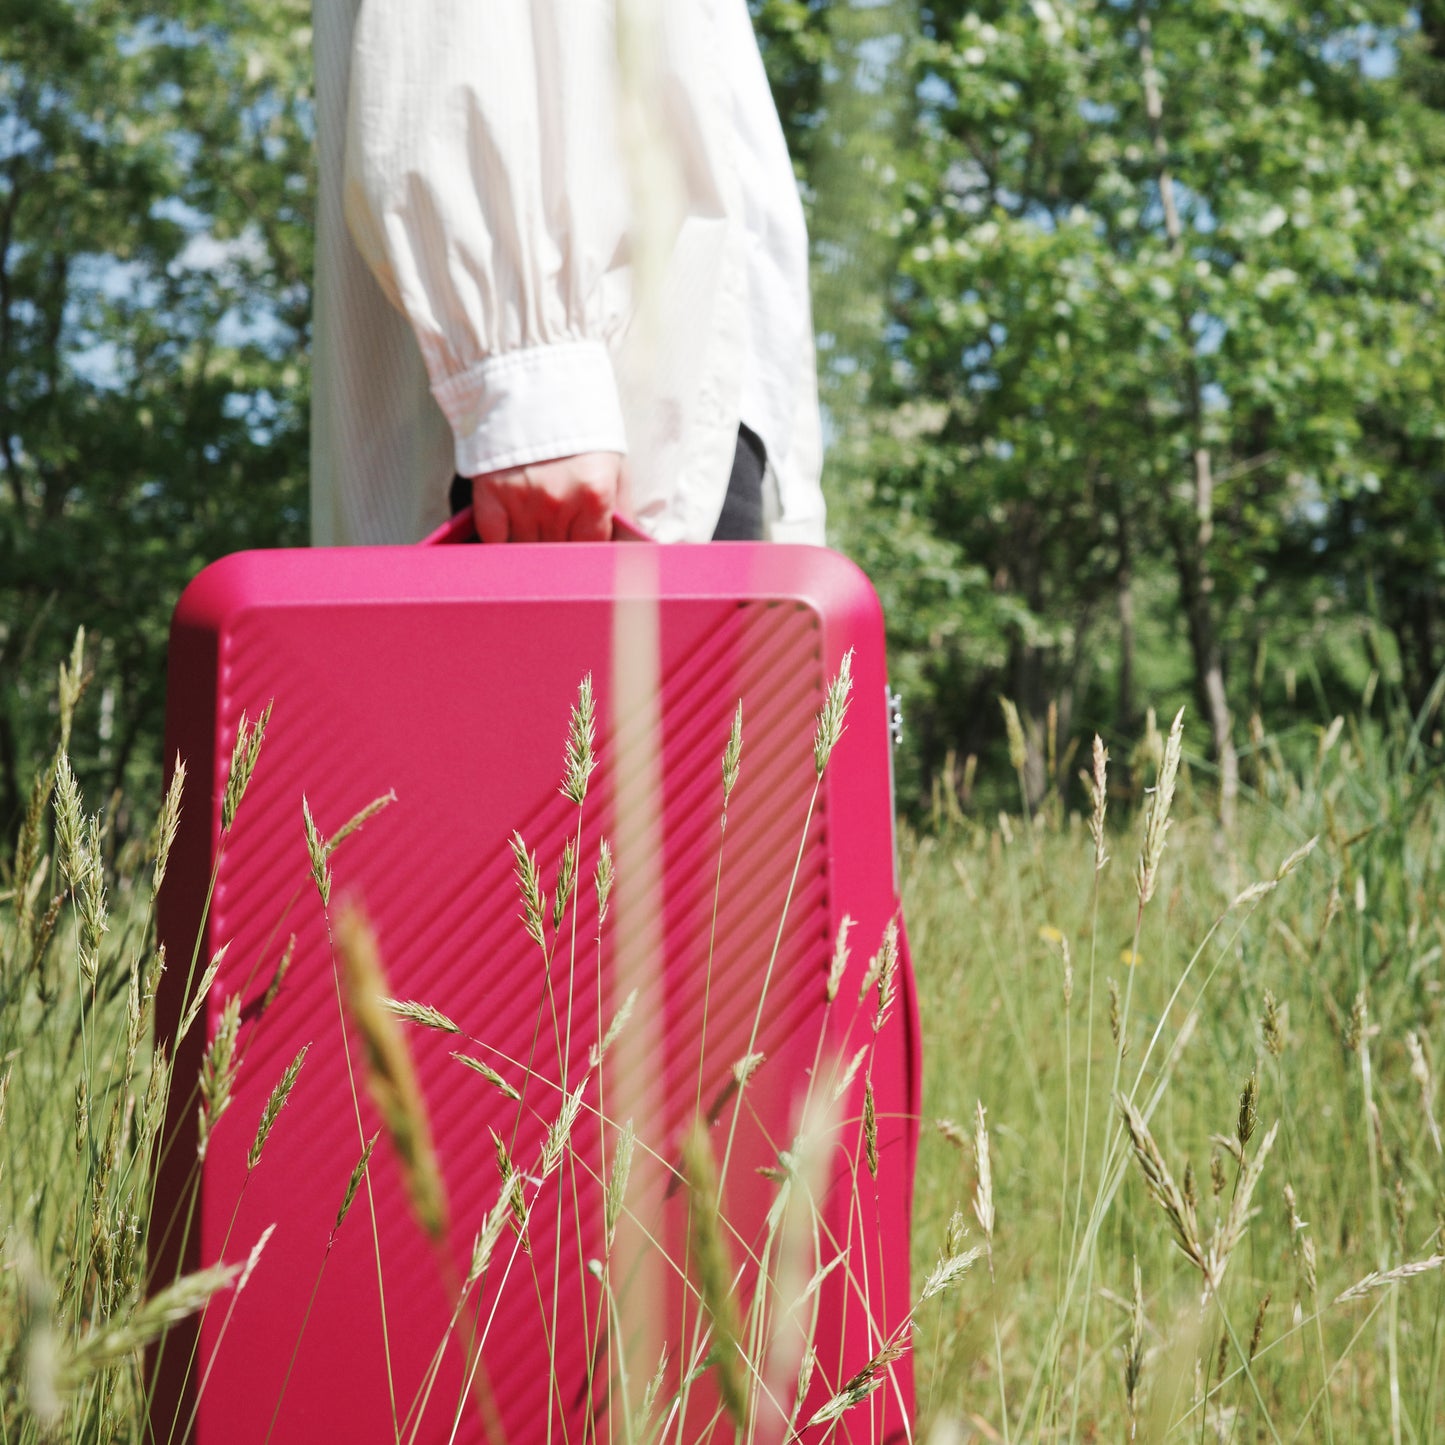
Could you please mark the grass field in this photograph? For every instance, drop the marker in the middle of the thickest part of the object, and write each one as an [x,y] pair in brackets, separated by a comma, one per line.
[1193,1137]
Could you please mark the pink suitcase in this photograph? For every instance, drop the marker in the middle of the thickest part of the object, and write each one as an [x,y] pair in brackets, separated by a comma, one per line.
[447,676]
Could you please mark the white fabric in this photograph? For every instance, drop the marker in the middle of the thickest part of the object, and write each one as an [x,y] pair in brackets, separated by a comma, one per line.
[474,299]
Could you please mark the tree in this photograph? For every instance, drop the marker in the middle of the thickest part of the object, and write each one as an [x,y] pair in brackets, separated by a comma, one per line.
[155,225]
[1158,259]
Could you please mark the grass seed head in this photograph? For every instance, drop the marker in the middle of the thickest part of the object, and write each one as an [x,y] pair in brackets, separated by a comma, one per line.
[358,1172]
[1156,812]
[390,1077]
[316,852]
[1274,1025]
[244,756]
[1248,1119]
[839,964]
[983,1190]
[420,1013]
[1018,750]
[870,1129]
[833,714]
[274,1105]
[357,821]
[581,738]
[603,879]
[715,1274]
[566,881]
[616,1191]
[479,1066]
[166,825]
[218,1072]
[732,755]
[534,902]
[283,967]
[1134,1352]
[1099,795]
[598,1052]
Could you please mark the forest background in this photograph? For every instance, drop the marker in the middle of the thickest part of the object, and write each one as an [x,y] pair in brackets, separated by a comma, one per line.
[1129,323]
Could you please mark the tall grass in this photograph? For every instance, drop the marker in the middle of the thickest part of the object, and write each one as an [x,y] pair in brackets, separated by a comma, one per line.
[1182,1173]
[1211,1082]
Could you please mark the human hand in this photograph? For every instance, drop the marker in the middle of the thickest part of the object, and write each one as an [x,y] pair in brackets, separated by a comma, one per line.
[569,499]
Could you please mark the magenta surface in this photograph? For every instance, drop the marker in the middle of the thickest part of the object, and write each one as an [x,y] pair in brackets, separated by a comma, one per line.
[447,675]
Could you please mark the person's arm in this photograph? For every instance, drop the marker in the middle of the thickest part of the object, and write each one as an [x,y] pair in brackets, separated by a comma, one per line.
[484,189]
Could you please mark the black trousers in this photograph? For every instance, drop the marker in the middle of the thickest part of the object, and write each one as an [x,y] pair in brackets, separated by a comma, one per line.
[742,513]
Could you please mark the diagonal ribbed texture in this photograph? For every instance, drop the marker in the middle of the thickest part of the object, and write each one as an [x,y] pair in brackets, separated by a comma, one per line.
[462,710]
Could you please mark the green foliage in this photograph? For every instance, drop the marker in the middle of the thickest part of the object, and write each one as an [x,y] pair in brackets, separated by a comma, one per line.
[1322,987]
[155,233]
[1066,350]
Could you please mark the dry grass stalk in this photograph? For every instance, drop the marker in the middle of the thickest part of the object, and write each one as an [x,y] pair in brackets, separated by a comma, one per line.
[274,1105]
[244,756]
[420,1013]
[1156,812]
[715,1276]
[488,1073]
[839,964]
[1116,1023]
[390,1076]
[581,738]
[833,714]
[732,758]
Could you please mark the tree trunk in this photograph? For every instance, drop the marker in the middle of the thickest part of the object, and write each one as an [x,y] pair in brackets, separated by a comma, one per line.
[1196,582]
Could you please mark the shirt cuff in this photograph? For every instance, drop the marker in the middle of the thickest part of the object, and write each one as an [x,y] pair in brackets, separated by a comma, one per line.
[533,406]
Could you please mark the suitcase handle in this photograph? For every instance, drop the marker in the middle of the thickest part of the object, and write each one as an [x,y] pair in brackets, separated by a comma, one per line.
[462,528]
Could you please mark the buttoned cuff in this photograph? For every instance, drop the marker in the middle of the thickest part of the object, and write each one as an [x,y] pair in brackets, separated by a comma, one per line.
[533,406]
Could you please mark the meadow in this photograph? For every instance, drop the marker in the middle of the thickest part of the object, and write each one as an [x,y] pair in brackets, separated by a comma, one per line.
[1181,1161]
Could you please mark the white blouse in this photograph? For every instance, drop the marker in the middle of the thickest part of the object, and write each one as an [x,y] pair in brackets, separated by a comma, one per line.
[483,297]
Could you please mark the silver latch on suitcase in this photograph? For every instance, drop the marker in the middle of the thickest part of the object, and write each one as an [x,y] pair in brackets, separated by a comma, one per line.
[895,718]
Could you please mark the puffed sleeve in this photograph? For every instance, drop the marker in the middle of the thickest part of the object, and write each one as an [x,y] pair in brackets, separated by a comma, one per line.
[485,189]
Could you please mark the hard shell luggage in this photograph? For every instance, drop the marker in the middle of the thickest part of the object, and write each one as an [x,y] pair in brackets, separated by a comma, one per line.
[754,1258]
